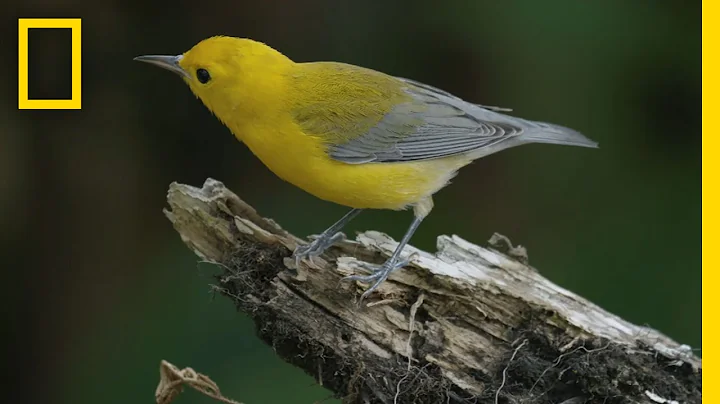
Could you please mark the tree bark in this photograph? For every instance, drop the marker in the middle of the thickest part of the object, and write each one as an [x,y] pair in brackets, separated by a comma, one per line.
[465,324]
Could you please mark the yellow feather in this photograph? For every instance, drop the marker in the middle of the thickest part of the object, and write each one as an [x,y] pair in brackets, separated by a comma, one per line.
[278,109]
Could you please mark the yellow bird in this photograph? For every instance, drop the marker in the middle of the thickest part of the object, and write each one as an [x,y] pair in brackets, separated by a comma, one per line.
[347,134]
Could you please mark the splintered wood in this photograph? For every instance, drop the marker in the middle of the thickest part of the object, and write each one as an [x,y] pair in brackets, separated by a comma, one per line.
[487,328]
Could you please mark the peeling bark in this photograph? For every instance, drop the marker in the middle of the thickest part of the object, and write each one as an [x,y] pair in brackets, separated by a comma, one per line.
[465,324]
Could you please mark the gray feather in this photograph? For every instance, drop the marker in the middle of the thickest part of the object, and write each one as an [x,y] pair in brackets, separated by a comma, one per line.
[438,124]
[445,93]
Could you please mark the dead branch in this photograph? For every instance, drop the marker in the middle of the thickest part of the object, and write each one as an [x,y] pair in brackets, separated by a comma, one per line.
[465,324]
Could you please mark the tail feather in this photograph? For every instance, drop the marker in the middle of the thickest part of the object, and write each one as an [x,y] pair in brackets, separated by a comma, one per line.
[541,132]
[536,132]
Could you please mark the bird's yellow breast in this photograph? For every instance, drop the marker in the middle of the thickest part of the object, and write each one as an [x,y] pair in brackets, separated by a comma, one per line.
[301,160]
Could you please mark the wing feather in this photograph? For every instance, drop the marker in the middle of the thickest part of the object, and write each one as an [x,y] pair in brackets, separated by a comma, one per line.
[365,116]
[433,124]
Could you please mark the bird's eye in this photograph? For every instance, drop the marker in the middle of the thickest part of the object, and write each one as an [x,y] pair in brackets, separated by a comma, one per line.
[203,75]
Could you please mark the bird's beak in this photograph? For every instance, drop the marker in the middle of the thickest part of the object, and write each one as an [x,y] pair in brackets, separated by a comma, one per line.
[171,63]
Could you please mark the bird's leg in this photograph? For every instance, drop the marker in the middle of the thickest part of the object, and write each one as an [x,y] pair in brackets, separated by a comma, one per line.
[381,273]
[329,237]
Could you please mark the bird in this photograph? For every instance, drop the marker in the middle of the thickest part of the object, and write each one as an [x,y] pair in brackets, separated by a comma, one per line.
[348,134]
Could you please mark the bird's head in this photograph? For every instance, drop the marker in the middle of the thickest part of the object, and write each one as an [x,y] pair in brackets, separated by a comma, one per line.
[228,74]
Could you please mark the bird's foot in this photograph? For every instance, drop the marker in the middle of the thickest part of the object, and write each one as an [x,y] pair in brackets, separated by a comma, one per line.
[379,273]
[316,247]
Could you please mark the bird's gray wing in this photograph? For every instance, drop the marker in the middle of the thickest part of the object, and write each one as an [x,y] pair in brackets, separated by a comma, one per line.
[436,90]
[433,124]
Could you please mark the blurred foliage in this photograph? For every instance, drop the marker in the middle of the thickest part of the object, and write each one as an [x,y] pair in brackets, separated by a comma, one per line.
[108,289]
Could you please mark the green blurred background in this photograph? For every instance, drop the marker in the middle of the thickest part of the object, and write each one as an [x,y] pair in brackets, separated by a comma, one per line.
[98,287]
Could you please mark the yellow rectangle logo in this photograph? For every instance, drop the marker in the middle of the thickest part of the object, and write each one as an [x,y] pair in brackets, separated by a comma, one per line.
[24,24]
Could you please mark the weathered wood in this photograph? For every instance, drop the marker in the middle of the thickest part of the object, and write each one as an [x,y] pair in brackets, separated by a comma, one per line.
[466,324]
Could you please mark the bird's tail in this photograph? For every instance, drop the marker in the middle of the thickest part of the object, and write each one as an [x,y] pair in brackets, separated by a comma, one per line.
[541,132]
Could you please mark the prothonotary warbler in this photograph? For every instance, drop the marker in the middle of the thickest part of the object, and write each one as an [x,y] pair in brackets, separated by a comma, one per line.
[348,134]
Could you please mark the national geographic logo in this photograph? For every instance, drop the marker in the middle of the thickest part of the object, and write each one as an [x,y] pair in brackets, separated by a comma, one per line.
[25,24]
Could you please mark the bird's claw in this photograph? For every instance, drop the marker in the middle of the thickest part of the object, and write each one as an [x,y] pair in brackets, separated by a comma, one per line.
[316,247]
[378,275]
